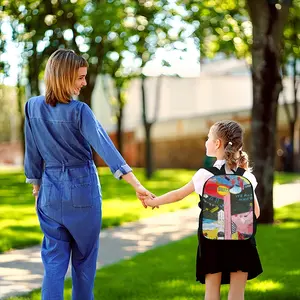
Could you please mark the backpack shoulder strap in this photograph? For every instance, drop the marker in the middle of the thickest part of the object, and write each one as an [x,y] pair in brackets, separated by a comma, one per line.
[216,171]
[213,170]
[240,171]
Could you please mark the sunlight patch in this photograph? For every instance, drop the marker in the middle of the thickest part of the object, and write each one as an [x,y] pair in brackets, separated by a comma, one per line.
[176,283]
[289,225]
[266,285]
[293,272]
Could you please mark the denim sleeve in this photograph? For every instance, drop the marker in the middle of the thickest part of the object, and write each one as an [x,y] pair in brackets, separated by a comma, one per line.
[97,137]
[33,162]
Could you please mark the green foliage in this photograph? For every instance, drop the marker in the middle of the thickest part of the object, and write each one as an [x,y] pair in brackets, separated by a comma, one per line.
[291,34]
[168,272]
[225,27]
[98,30]
[221,26]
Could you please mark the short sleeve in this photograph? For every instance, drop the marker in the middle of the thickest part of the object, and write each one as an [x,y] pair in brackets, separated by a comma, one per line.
[199,179]
[251,178]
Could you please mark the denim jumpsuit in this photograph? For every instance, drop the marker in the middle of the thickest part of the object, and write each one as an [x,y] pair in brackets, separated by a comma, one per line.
[58,157]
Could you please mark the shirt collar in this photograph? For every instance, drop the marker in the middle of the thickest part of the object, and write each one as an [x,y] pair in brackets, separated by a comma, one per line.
[219,163]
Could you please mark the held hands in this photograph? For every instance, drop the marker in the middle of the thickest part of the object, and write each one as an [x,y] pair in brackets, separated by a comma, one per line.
[144,194]
[149,201]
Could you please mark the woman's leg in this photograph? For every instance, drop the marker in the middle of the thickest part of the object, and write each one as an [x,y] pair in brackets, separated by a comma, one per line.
[82,217]
[85,244]
[55,255]
[212,286]
[237,285]
[83,271]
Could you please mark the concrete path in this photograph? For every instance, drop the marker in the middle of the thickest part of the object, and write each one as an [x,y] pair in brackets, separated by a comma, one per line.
[22,271]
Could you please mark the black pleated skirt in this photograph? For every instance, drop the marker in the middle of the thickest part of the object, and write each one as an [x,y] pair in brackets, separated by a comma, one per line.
[215,256]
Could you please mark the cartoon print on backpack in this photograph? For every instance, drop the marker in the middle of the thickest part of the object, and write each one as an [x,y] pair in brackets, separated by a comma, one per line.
[227,207]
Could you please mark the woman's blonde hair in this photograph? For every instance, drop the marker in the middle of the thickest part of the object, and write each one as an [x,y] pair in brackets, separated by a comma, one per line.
[60,75]
[231,134]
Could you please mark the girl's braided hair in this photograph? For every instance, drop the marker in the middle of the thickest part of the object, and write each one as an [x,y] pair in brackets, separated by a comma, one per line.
[231,134]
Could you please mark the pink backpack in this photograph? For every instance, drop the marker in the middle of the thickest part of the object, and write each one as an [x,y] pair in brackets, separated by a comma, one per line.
[227,204]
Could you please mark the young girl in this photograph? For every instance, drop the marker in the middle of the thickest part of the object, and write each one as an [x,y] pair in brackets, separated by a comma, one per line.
[221,262]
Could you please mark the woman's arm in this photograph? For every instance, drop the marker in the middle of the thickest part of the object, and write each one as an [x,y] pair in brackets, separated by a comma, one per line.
[98,138]
[172,196]
[132,180]
[141,192]
[33,162]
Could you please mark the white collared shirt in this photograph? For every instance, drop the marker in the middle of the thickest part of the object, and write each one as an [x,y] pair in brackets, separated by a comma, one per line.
[202,175]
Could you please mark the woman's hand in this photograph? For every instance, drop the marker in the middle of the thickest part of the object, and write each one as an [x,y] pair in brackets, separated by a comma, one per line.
[35,193]
[36,197]
[143,194]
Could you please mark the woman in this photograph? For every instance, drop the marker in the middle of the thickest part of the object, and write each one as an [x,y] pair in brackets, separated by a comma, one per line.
[59,133]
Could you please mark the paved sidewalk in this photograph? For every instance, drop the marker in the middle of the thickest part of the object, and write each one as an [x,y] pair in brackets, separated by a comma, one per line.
[21,270]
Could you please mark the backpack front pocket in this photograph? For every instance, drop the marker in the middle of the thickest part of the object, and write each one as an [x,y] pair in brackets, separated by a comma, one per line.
[81,195]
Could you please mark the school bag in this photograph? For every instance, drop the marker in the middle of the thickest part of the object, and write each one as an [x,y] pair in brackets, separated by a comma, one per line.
[227,205]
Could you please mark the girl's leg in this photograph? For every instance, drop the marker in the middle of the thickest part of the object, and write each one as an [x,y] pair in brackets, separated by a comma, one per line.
[237,285]
[212,286]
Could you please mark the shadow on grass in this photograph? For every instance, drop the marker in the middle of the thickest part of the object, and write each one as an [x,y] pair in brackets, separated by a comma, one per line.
[25,229]
[285,220]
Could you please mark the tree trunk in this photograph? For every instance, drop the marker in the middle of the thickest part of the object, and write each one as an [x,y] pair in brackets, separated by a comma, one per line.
[149,165]
[147,126]
[120,121]
[268,23]
[86,92]
[93,72]
[296,110]
[20,97]
[33,74]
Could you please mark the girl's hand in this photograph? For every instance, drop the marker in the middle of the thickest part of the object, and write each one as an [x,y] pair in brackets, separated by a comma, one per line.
[142,194]
[150,202]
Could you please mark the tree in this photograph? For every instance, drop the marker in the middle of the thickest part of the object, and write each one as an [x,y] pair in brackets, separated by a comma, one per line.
[115,70]
[224,26]
[291,58]
[151,28]
[39,28]
[268,20]
[87,27]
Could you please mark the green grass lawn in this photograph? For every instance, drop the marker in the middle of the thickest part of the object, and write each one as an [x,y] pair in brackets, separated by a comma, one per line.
[19,225]
[168,272]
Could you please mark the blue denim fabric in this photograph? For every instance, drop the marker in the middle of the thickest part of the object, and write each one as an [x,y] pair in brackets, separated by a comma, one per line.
[69,211]
[58,157]
[63,135]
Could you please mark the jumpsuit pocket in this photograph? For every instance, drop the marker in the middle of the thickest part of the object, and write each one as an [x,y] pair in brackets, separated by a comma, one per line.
[81,195]
[44,199]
